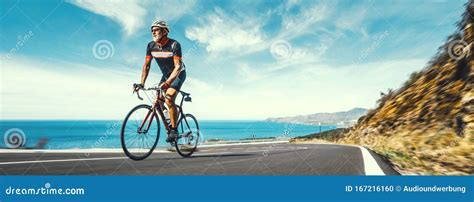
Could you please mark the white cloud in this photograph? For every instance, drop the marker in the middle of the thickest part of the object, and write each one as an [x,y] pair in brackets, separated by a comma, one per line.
[298,84]
[300,56]
[171,10]
[297,57]
[353,20]
[133,15]
[38,89]
[223,34]
[295,25]
[41,89]
[246,74]
[200,87]
[291,3]
[129,14]
[318,87]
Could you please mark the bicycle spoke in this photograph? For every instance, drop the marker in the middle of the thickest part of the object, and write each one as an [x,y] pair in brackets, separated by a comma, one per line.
[129,128]
[189,136]
[143,142]
[146,142]
[130,137]
[140,141]
[131,133]
[134,141]
[136,120]
[136,144]
[150,138]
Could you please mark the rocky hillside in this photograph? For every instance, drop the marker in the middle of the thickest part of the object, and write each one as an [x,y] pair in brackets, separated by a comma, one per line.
[427,126]
[338,118]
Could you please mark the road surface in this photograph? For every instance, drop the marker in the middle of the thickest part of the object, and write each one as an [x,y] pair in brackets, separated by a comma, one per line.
[248,159]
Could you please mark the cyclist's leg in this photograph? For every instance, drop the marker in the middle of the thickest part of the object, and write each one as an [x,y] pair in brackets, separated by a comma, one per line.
[163,79]
[171,95]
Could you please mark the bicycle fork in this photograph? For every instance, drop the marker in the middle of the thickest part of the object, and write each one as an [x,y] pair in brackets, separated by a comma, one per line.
[149,114]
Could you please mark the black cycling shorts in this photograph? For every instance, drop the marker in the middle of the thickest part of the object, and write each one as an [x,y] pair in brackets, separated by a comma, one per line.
[178,81]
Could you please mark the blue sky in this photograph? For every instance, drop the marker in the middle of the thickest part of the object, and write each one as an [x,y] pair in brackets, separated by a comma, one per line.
[245,59]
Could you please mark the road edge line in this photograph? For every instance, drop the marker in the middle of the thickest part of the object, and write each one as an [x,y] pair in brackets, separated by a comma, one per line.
[371,166]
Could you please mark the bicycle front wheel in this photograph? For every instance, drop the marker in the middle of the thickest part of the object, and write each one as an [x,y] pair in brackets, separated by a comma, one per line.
[140,132]
[188,138]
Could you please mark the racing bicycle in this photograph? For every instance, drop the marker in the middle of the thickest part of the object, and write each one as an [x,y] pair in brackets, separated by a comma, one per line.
[141,128]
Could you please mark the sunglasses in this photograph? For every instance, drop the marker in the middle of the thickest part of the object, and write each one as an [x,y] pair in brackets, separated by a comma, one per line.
[155,30]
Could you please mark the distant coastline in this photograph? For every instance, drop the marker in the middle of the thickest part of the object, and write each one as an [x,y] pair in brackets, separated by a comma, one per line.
[342,119]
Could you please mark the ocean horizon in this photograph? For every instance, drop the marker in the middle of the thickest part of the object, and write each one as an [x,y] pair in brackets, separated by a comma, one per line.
[95,134]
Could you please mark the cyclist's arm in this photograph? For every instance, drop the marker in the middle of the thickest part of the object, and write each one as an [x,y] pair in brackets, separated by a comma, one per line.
[176,70]
[145,69]
[146,66]
[177,62]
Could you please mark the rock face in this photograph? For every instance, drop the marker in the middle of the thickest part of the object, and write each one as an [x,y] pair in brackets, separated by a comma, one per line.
[338,118]
[427,126]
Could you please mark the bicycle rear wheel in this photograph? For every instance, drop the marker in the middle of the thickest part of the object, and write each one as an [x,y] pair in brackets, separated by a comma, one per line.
[188,138]
[140,132]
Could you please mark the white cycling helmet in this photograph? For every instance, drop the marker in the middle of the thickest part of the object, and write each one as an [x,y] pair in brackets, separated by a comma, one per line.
[160,23]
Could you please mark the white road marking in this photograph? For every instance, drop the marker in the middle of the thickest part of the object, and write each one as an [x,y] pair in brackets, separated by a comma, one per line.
[61,160]
[371,166]
[73,151]
[211,150]
[207,154]
[242,143]
[119,150]
[202,152]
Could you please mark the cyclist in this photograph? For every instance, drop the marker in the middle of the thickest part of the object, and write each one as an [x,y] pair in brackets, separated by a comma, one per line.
[167,53]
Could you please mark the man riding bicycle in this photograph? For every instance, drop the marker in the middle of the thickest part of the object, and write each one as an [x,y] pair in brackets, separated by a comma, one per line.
[167,53]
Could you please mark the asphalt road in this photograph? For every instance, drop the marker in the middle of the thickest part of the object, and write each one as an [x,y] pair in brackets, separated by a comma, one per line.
[253,159]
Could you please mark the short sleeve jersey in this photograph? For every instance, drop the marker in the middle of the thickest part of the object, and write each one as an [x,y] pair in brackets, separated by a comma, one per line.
[165,55]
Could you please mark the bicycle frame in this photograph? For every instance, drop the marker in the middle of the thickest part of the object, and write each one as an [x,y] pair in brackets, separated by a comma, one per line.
[157,107]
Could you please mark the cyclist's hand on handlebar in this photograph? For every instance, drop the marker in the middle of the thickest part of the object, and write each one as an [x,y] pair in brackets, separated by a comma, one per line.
[137,87]
[164,85]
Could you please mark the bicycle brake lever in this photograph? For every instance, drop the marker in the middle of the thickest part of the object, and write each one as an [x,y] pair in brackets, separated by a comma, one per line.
[138,95]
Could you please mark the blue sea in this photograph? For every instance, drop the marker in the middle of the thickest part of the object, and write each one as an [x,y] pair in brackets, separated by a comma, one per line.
[84,134]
